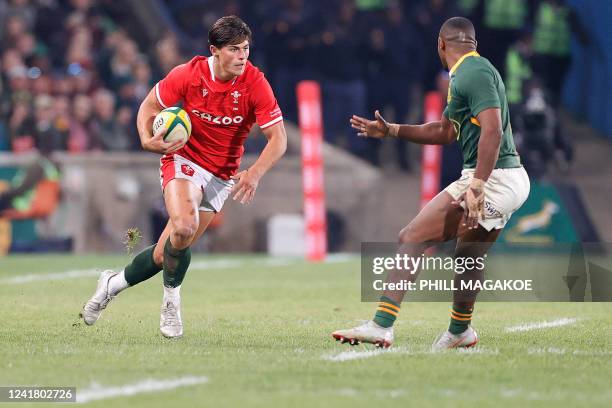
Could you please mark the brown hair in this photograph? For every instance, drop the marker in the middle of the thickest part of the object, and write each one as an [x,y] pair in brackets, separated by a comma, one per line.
[228,30]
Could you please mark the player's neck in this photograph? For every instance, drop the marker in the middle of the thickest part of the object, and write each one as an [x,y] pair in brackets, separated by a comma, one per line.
[220,74]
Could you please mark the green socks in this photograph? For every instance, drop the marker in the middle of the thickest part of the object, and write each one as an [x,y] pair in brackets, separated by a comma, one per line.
[142,267]
[461,316]
[387,312]
[176,262]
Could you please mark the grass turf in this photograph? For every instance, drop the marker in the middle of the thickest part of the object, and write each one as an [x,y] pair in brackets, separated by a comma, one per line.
[260,332]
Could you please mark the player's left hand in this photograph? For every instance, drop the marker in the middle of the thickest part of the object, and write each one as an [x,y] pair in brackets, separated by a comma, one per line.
[474,199]
[245,188]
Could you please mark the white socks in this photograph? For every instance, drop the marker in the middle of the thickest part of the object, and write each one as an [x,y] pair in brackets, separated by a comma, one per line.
[117,283]
[172,294]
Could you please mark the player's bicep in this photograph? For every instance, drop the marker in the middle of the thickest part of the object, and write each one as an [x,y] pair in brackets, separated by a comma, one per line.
[490,122]
[276,131]
[449,131]
[151,100]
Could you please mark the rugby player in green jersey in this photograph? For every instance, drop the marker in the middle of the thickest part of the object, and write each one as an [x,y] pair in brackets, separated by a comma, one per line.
[473,209]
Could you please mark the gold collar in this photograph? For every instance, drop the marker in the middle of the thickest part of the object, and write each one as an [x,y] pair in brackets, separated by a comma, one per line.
[469,54]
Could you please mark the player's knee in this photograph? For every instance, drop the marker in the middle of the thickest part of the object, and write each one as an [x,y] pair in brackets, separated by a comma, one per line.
[409,235]
[184,230]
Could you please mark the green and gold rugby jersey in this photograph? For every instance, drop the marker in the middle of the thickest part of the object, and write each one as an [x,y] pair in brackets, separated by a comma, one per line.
[475,85]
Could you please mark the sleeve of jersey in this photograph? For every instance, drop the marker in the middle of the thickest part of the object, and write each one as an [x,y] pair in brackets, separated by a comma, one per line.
[267,111]
[480,91]
[172,88]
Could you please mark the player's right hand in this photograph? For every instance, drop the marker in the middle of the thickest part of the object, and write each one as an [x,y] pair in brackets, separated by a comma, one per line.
[377,128]
[157,144]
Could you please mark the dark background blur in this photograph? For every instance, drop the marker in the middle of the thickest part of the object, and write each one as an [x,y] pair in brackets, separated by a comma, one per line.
[74,72]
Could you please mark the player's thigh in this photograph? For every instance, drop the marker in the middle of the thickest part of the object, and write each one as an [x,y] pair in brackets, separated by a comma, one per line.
[183,198]
[475,242]
[438,221]
[206,218]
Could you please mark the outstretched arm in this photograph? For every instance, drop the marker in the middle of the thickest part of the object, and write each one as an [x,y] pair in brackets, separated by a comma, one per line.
[439,132]
[274,150]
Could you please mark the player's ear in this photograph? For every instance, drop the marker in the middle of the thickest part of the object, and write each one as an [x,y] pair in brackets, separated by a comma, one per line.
[213,50]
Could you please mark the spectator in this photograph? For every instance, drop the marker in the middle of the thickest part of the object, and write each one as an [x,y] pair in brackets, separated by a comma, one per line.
[109,134]
[80,125]
[20,127]
[142,78]
[46,135]
[344,90]
[291,32]
[168,54]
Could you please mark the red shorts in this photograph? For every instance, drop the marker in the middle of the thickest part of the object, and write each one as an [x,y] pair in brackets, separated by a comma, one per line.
[214,189]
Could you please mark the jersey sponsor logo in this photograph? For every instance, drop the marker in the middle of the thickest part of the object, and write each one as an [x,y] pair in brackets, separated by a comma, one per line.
[187,170]
[218,120]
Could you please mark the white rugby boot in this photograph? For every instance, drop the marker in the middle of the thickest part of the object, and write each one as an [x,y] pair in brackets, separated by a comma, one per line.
[369,332]
[170,323]
[448,340]
[93,308]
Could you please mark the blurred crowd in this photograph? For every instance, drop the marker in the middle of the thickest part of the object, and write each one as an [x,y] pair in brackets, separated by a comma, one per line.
[382,54]
[72,75]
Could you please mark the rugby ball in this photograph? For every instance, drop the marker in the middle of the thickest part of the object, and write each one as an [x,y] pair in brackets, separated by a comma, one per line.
[176,123]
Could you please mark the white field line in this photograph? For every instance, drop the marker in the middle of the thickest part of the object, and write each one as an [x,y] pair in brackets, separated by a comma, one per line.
[35,277]
[205,264]
[563,351]
[141,387]
[354,355]
[541,325]
[360,355]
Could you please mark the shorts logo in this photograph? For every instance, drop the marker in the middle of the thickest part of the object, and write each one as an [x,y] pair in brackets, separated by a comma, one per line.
[490,211]
[187,170]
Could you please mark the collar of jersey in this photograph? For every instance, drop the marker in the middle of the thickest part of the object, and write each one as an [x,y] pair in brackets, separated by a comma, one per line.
[212,70]
[463,57]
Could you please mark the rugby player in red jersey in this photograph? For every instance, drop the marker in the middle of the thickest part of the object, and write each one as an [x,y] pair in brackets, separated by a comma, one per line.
[224,96]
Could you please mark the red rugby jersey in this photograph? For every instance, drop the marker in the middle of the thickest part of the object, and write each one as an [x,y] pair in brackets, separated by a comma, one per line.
[221,113]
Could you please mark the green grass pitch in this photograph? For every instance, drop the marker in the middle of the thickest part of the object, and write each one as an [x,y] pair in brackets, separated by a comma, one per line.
[259,330]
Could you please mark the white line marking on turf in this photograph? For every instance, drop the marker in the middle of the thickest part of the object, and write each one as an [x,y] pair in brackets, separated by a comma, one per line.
[217,264]
[359,355]
[35,277]
[144,386]
[541,325]
[354,355]
[562,351]
[205,264]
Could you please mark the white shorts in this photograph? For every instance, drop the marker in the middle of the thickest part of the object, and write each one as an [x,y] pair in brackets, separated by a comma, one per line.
[214,189]
[505,191]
